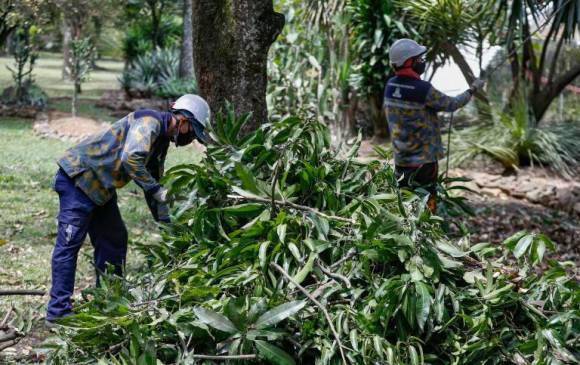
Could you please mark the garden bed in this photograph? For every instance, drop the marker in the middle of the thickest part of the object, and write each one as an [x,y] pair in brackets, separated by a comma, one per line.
[65,127]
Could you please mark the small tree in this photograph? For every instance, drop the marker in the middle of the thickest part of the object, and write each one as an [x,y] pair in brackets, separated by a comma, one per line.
[24,59]
[79,66]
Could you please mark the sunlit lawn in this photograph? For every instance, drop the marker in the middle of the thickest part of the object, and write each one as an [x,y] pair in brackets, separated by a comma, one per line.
[48,74]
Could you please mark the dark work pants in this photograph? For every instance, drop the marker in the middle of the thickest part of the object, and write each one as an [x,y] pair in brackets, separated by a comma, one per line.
[424,176]
[78,216]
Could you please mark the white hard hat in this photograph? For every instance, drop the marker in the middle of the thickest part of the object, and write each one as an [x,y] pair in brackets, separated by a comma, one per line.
[196,105]
[403,49]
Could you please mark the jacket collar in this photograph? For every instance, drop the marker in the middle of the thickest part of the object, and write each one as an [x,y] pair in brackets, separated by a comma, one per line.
[408,72]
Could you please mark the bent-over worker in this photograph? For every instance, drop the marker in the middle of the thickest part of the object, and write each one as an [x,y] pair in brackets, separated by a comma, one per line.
[133,148]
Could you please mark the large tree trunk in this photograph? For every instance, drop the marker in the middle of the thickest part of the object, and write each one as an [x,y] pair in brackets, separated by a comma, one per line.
[186,59]
[231,40]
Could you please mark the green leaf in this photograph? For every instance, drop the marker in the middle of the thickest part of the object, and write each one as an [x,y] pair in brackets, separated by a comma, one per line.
[523,245]
[422,304]
[263,253]
[244,193]
[301,275]
[279,313]
[248,180]
[281,231]
[273,354]
[513,239]
[414,356]
[243,210]
[450,249]
[215,320]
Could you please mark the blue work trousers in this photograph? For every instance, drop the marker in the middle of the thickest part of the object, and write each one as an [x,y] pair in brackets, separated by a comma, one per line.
[78,216]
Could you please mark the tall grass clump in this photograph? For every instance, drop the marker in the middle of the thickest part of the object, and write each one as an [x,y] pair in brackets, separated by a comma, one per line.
[516,139]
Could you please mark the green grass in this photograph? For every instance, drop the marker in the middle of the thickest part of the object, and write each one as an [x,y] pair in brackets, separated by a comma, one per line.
[48,71]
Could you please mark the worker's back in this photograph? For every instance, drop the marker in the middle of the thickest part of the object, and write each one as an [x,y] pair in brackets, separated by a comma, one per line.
[414,127]
[411,106]
[98,161]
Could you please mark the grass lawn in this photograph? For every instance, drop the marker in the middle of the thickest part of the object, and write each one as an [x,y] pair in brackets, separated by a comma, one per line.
[48,75]
[28,205]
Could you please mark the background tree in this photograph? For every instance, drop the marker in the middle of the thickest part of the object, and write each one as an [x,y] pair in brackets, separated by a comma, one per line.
[80,66]
[186,59]
[446,27]
[519,18]
[152,24]
[231,40]
[24,58]
[376,25]
[76,21]
[14,13]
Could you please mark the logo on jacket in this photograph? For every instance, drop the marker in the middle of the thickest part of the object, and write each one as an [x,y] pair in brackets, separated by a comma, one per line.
[397,93]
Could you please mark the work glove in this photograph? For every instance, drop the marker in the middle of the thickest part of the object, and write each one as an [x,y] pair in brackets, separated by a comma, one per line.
[477,85]
[161,195]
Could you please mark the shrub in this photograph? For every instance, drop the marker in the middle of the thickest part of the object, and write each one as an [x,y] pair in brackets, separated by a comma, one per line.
[282,251]
[31,95]
[515,139]
[156,73]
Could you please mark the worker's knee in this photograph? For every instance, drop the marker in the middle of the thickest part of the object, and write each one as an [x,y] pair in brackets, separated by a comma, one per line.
[70,235]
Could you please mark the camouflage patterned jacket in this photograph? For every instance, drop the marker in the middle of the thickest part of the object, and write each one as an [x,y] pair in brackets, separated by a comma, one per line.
[133,148]
[411,106]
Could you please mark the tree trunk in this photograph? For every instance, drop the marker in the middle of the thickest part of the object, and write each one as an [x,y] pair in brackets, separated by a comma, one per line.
[74,101]
[380,126]
[231,40]
[186,59]
[66,41]
[541,101]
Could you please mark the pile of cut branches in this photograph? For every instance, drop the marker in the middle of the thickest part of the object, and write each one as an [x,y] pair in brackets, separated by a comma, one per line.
[283,252]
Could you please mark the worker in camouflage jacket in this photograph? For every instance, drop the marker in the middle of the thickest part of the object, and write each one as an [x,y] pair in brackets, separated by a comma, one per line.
[411,107]
[133,148]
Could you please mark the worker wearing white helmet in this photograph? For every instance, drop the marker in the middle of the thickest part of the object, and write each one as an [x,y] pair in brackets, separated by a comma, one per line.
[132,149]
[411,107]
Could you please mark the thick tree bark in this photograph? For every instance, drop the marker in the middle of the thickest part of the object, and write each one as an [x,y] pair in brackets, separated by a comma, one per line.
[231,40]
[186,59]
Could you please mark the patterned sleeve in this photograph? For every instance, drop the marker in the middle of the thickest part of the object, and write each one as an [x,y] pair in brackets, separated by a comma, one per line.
[140,138]
[438,101]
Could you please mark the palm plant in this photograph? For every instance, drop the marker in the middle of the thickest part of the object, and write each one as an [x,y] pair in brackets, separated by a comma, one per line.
[446,26]
[310,65]
[517,20]
[515,139]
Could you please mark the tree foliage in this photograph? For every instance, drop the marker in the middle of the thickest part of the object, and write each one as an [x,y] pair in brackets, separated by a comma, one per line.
[284,251]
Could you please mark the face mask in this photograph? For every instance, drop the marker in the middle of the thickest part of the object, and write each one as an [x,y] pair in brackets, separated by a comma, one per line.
[419,67]
[183,139]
